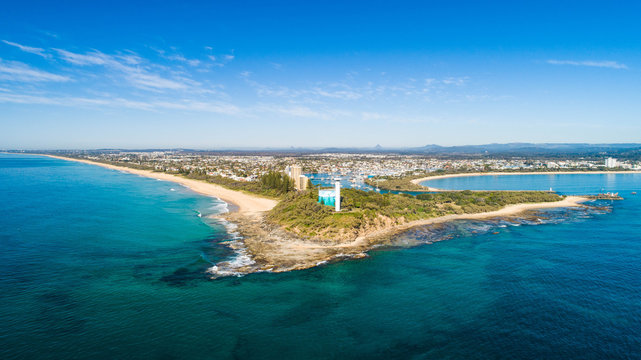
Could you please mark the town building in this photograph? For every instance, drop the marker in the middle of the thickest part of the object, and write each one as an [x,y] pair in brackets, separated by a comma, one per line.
[295,172]
[611,162]
[303,181]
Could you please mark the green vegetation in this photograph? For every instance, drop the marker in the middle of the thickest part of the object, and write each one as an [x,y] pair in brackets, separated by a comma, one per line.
[277,182]
[273,184]
[403,183]
[363,211]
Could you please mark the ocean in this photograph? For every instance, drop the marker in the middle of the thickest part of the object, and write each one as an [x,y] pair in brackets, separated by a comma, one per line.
[100,264]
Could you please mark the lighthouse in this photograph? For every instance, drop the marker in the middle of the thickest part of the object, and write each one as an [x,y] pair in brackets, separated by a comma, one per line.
[337,194]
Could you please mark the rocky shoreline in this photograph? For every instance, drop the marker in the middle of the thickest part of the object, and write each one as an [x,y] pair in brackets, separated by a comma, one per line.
[272,248]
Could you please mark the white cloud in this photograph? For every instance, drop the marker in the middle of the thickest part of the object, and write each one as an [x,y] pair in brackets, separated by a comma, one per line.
[372,116]
[131,59]
[29,49]
[152,105]
[147,80]
[458,81]
[300,111]
[131,66]
[17,71]
[338,91]
[167,86]
[347,94]
[375,116]
[95,58]
[601,64]
[26,99]
[49,34]
[211,107]
[181,58]
[295,111]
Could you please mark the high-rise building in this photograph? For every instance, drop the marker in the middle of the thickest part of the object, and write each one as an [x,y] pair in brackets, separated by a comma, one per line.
[296,173]
[611,162]
[303,180]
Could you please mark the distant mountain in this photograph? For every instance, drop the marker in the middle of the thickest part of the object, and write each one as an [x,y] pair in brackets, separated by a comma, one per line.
[546,150]
[528,149]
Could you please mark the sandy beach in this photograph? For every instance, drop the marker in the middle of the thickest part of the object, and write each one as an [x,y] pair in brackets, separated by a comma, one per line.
[510,210]
[277,250]
[419,180]
[244,203]
[273,248]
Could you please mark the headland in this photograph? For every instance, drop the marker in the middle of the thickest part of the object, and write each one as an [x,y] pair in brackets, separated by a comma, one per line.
[298,233]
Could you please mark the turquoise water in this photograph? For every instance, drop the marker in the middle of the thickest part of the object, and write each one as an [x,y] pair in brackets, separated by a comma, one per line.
[99,264]
[564,183]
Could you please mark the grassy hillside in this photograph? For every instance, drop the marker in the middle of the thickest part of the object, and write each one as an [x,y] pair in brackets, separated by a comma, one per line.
[397,183]
[365,211]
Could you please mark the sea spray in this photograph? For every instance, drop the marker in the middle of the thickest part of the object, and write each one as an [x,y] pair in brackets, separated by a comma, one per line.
[241,259]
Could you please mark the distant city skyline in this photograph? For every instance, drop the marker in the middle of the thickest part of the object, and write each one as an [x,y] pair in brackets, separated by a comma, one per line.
[203,75]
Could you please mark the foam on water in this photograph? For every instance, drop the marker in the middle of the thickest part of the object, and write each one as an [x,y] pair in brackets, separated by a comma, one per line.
[220,207]
[561,291]
[239,260]
[232,267]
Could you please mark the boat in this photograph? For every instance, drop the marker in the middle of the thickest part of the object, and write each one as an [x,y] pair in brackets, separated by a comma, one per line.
[633,193]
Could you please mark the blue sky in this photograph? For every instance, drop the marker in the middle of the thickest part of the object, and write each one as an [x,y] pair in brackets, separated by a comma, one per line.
[82,74]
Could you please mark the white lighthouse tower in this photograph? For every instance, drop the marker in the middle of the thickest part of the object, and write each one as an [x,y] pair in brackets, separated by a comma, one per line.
[337,193]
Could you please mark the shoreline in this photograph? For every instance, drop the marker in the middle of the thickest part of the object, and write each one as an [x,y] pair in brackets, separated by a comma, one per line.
[242,202]
[276,250]
[509,210]
[272,248]
[446,176]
